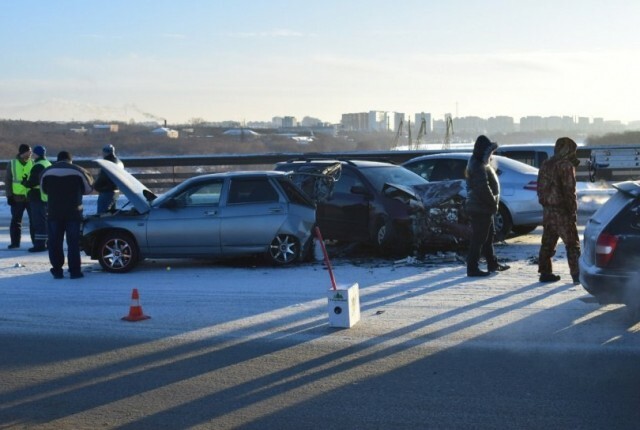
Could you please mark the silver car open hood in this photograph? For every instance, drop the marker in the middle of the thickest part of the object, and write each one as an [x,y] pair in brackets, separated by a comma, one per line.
[139,195]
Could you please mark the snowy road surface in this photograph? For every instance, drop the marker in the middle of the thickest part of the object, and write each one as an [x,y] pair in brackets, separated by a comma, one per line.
[243,345]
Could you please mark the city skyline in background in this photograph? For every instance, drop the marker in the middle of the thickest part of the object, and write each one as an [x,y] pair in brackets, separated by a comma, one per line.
[248,60]
[371,121]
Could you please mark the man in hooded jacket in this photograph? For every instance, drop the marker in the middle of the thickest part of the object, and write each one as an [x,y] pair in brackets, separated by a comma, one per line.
[483,199]
[557,195]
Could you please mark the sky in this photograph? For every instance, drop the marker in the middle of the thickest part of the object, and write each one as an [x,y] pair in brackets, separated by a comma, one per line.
[251,60]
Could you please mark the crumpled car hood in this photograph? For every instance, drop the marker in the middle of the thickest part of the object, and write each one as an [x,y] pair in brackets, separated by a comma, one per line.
[430,195]
[438,219]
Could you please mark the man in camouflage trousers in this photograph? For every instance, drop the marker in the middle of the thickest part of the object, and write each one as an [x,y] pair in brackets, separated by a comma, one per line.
[557,195]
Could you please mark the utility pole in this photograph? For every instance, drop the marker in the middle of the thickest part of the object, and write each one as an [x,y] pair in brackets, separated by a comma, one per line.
[398,134]
[422,131]
[448,132]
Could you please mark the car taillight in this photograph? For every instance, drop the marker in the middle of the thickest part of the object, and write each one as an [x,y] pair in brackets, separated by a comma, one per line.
[605,247]
[531,186]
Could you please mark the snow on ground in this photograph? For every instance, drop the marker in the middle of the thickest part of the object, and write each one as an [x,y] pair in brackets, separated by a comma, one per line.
[400,300]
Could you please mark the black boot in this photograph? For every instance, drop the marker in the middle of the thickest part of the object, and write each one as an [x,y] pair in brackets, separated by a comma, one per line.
[497,267]
[549,277]
[476,273]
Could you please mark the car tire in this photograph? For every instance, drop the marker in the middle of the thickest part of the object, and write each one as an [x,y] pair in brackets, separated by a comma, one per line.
[386,241]
[521,230]
[382,237]
[502,223]
[118,252]
[284,249]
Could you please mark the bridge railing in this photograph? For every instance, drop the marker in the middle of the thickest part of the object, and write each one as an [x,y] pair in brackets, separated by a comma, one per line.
[162,173]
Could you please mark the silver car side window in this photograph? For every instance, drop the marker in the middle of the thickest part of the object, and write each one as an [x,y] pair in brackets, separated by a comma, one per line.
[207,194]
[258,190]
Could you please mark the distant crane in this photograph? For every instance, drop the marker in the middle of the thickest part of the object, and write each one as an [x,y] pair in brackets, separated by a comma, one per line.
[398,134]
[422,132]
[448,132]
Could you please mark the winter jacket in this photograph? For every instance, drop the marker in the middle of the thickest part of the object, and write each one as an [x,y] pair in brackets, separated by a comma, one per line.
[483,188]
[33,181]
[65,184]
[17,171]
[557,178]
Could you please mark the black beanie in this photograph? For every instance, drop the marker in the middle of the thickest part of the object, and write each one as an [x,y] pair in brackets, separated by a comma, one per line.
[64,156]
[24,148]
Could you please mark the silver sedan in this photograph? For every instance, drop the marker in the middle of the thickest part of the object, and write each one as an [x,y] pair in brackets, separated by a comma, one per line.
[210,216]
[519,210]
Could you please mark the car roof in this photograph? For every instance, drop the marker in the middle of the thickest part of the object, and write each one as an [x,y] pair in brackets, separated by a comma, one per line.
[525,146]
[356,163]
[239,173]
[546,147]
[140,196]
[631,188]
[501,160]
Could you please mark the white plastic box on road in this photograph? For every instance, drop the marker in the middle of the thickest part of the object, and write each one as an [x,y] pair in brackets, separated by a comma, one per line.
[344,306]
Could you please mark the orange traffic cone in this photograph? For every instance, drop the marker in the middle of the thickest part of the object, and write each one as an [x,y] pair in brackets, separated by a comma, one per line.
[135,311]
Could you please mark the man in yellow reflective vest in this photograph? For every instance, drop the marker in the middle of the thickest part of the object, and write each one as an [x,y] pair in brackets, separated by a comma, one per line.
[18,170]
[38,199]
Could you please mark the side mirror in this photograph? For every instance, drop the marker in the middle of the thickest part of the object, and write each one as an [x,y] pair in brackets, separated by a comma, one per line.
[172,204]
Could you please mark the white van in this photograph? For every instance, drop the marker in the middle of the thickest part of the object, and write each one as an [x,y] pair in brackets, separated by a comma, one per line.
[535,153]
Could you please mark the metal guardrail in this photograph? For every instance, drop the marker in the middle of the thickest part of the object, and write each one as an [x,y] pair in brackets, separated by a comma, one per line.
[161,173]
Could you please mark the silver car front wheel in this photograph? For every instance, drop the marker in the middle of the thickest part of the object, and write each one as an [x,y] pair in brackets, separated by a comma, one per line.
[118,253]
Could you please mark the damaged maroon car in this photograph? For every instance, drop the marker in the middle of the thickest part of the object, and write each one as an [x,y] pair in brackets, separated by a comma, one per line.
[382,204]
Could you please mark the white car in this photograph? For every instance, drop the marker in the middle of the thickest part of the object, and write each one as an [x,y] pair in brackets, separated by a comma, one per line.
[519,211]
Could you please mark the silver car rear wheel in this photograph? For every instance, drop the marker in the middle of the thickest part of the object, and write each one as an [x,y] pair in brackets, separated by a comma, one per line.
[502,223]
[284,249]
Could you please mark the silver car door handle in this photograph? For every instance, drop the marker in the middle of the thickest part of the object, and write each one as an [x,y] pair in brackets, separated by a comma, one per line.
[275,210]
[211,212]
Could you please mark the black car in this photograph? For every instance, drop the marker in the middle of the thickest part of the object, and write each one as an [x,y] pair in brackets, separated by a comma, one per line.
[610,260]
[381,204]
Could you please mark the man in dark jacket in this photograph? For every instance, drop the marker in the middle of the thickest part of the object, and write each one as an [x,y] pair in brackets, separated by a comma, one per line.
[38,200]
[108,192]
[65,184]
[483,197]
[557,195]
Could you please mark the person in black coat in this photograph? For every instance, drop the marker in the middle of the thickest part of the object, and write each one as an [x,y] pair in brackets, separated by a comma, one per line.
[483,198]
[65,184]
[108,191]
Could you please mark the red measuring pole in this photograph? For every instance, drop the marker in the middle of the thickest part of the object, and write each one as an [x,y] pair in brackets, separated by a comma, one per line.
[326,258]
